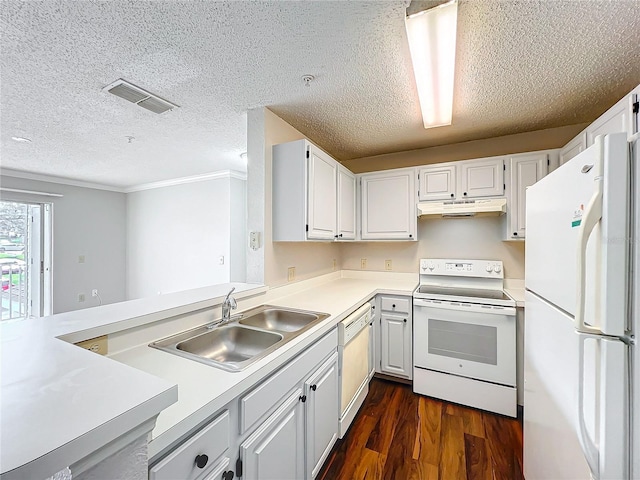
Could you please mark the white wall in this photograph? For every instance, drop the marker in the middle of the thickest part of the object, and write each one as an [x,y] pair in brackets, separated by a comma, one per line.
[176,235]
[238,230]
[86,222]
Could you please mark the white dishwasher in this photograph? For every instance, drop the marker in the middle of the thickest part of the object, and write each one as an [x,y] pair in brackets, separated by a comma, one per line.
[353,347]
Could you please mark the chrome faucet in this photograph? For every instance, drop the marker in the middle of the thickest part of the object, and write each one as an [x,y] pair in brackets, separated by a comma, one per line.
[228,305]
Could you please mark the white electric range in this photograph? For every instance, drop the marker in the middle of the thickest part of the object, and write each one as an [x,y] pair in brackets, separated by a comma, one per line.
[464,335]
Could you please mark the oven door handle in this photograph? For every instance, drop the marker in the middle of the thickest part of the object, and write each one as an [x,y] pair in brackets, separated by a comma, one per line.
[464,307]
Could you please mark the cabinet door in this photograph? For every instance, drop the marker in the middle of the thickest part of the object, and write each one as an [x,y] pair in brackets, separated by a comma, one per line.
[395,342]
[276,450]
[482,178]
[573,148]
[614,120]
[525,170]
[346,204]
[437,182]
[323,411]
[389,205]
[322,195]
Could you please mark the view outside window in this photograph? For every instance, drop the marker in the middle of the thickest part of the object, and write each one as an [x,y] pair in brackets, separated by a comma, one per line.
[13,252]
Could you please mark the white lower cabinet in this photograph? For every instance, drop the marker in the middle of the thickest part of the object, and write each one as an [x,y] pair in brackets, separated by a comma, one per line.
[395,337]
[276,450]
[322,412]
[282,428]
[199,454]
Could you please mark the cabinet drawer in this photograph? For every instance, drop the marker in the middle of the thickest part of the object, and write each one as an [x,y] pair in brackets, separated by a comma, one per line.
[216,474]
[395,304]
[212,441]
[262,399]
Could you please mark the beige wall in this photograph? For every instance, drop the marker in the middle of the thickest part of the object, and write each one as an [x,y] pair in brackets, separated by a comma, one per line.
[310,259]
[489,147]
[477,238]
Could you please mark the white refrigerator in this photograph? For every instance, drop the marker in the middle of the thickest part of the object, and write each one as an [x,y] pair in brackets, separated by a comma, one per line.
[581,312]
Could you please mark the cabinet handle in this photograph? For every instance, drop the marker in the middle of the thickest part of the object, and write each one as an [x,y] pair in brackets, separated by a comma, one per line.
[227,475]
[465,194]
[405,320]
[335,236]
[303,398]
[313,387]
[201,461]
[393,306]
[452,195]
[515,234]
[410,236]
[340,235]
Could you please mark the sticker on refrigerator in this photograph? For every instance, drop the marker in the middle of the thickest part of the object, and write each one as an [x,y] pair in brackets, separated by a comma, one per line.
[577,217]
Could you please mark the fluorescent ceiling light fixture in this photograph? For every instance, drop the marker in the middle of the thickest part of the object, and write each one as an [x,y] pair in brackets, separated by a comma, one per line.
[432,42]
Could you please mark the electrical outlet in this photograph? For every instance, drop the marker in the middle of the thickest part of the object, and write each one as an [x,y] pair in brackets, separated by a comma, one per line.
[96,345]
[335,264]
[81,297]
[291,274]
[387,264]
[94,292]
[221,260]
[363,263]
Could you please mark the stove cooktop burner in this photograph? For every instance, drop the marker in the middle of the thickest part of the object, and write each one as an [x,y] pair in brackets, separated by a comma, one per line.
[477,293]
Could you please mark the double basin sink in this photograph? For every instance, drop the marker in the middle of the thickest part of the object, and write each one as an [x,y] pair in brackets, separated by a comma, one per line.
[250,336]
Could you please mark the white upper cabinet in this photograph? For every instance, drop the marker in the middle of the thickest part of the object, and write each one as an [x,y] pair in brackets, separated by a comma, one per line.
[437,182]
[322,195]
[614,120]
[573,148]
[481,178]
[524,170]
[622,117]
[346,204]
[313,196]
[389,205]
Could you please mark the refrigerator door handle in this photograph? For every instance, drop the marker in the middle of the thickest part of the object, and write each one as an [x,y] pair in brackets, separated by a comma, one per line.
[590,218]
[589,447]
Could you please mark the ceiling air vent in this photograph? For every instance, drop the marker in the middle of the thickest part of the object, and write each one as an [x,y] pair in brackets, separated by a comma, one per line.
[123,89]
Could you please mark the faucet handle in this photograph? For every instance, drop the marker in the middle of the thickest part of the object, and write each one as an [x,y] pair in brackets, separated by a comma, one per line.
[232,303]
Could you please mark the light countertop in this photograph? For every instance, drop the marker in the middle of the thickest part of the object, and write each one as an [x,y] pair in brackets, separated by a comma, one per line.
[60,402]
[515,289]
[204,389]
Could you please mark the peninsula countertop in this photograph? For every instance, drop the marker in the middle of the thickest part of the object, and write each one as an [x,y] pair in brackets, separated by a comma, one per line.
[59,402]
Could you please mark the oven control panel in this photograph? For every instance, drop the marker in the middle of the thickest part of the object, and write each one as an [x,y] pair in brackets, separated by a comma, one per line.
[461,268]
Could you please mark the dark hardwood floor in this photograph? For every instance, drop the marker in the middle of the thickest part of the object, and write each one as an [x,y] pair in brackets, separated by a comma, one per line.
[399,435]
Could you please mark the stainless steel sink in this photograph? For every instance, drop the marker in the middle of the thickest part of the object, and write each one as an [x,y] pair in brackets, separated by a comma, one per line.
[236,345]
[230,344]
[280,319]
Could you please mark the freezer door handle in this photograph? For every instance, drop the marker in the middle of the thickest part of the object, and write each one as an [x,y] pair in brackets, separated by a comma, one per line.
[590,218]
[607,455]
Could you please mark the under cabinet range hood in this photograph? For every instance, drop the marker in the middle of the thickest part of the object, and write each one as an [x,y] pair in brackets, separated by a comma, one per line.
[463,208]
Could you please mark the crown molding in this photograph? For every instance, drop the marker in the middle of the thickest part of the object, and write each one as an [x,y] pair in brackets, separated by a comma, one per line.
[191,179]
[6,172]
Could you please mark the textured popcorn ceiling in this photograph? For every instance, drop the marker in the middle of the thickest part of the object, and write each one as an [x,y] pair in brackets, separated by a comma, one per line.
[521,66]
